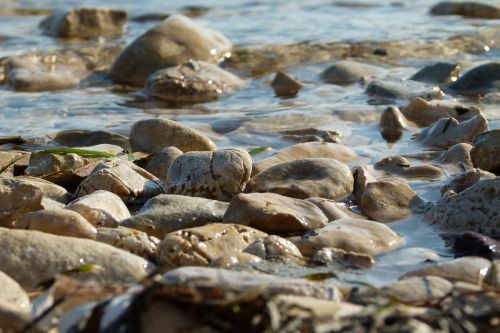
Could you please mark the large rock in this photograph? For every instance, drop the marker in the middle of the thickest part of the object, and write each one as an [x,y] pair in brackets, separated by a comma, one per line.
[479,80]
[306,178]
[347,72]
[200,246]
[166,213]
[161,162]
[171,43]
[486,151]
[192,82]
[25,252]
[18,197]
[466,8]
[130,240]
[152,135]
[215,175]
[354,235]
[274,213]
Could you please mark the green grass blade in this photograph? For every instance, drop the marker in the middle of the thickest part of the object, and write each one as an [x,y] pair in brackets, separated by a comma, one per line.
[259,150]
[81,152]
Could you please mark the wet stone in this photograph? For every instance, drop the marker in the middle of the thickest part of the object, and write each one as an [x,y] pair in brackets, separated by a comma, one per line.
[310,135]
[347,72]
[275,248]
[161,162]
[440,72]
[479,80]
[79,138]
[398,165]
[285,85]
[471,9]
[465,180]
[362,177]
[473,244]
[410,257]
[486,151]
[18,197]
[331,256]
[236,260]
[392,122]
[493,276]
[457,158]
[403,90]
[334,210]
[423,289]
[130,240]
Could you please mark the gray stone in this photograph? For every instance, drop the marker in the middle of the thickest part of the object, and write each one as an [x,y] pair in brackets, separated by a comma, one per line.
[347,72]
[440,72]
[79,138]
[467,9]
[130,240]
[275,248]
[331,256]
[334,210]
[403,90]
[161,162]
[18,197]
[479,80]
[419,290]
[486,151]
[398,165]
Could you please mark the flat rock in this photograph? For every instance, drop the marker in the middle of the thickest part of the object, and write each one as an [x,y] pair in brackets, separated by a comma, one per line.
[172,42]
[347,72]
[220,174]
[334,210]
[161,162]
[441,72]
[305,178]
[152,135]
[200,246]
[486,151]
[133,241]
[86,138]
[423,289]
[404,89]
[465,180]
[275,248]
[401,166]
[166,213]
[285,85]
[362,236]
[27,251]
[479,80]
[274,213]
[192,82]
[470,9]
[18,197]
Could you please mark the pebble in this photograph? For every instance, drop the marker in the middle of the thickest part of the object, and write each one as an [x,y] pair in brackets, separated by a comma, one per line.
[161,162]
[479,80]
[309,135]
[404,89]
[438,73]
[362,177]
[18,197]
[275,248]
[285,85]
[348,72]
[486,151]
[469,9]
[456,159]
[130,240]
[392,122]
[401,166]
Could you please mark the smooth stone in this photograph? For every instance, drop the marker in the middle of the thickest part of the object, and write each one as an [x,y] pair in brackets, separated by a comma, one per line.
[470,9]
[12,293]
[392,123]
[352,235]
[465,180]
[285,85]
[347,72]
[130,240]
[7,157]
[476,209]
[18,197]
[362,177]
[200,246]
[401,166]
[425,114]
[447,132]
[246,282]
[101,208]
[299,151]
[410,257]
[334,210]
[172,42]
[404,89]
[240,259]
[167,213]
[441,72]
[389,200]
[274,213]
[486,151]
[419,290]
[479,80]
[457,158]
[79,138]
[493,276]
[85,23]
[331,256]
[50,190]
[220,174]
[473,244]
[52,204]
[12,320]
[310,135]
[59,222]
[192,82]
[161,162]
[305,178]
[152,135]
[275,248]
[28,251]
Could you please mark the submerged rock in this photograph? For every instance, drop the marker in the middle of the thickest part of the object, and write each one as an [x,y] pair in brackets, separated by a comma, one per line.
[441,72]
[479,80]
[171,43]
[466,8]
[347,72]
[133,241]
[465,180]
[403,90]
[310,134]
[485,153]
[79,138]
[161,162]
[401,166]
[285,85]
[18,197]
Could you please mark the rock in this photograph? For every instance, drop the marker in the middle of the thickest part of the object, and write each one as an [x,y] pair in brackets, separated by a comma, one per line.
[27,251]
[18,197]
[246,282]
[457,158]
[59,222]
[389,200]
[274,213]
[79,138]
[447,132]
[479,80]
[161,162]
[201,245]
[52,204]
[493,276]
[310,135]
[7,157]
[305,178]
[152,135]
[485,151]
[403,89]
[362,236]
[130,240]
[235,260]
[474,244]
[423,289]
[362,177]
[410,257]
[13,294]
[465,180]
[214,175]
[285,85]
[476,209]
[424,113]
[12,320]
[299,151]
[192,82]
[275,248]
[171,43]
[392,123]
[123,179]
[441,72]
[471,9]
[347,72]
[334,210]
[166,213]
[398,165]
[101,208]
[50,190]
[85,23]
[330,256]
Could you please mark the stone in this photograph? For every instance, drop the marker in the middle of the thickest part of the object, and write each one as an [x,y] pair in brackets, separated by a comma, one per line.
[220,174]
[348,72]
[285,85]
[334,210]
[447,132]
[18,197]
[392,122]
[473,244]
[28,251]
[152,135]
[274,213]
[59,222]
[438,73]
[425,114]
[133,241]
[330,256]
[457,158]
[353,235]
[86,138]
[305,178]
[404,89]
[240,259]
[85,23]
[52,204]
[13,294]
[476,209]
[479,80]
[465,180]
[101,208]
[299,151]
[423,289]
[309,135]
[362,177]
[161,162]
[410,257]
[50,190]
[275,248]
[7,157]
[167,213]
[401,166]
[485,151]
[493,276]
[200,246]
[172,42]
[191,82]
[389,200]
[470,9]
